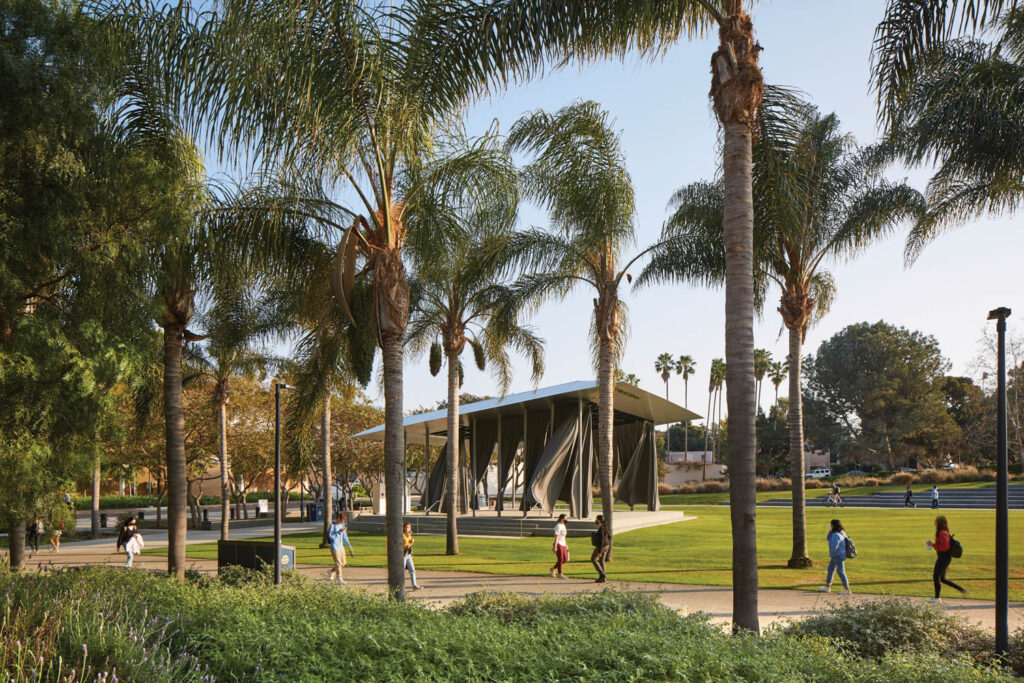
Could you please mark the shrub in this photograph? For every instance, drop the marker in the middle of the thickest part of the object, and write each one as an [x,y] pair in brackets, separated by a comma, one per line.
[664,489]
[903,478]
[686,488]
[711,487]
[936,477]
[813,483]
[871,481]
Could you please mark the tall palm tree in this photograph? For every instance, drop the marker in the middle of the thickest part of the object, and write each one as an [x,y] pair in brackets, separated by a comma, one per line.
[462,300]
[579,174]
[762,361]
[664,365]
[777,373]
[716,379]
[955,101]
[818,200]
[685,367]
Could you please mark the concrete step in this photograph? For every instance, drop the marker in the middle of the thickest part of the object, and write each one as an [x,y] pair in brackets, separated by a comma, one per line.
[477,526]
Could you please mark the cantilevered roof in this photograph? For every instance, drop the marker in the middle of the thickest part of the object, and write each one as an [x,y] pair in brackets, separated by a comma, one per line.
[629,401]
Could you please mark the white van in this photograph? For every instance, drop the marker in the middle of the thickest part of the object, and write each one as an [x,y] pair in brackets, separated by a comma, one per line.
[819,473]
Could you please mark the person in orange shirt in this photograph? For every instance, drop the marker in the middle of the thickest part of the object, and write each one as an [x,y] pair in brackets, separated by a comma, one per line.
[407,541]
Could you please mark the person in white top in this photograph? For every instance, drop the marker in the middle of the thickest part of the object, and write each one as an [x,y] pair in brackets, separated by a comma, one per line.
[560,548]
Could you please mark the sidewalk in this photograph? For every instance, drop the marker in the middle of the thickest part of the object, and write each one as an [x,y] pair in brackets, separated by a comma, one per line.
[441,588]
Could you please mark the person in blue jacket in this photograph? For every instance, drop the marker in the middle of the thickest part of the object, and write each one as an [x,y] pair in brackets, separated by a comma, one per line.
[836,557]
[337,536]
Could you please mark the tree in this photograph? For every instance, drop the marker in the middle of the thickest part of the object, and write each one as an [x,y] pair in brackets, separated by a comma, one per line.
[685,367]
[777,373]
[884,384]
[664,365]
[953,101]
[462,299]
[819,200]
[762,363]
[627,377]
[715,382]
[578,173]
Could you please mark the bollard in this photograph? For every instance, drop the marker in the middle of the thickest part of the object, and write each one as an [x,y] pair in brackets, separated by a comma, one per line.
[232,513]
[142,516]
[206,514]
[103,520]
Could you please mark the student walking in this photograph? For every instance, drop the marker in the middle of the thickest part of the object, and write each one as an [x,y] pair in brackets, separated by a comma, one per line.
[560,548]
[908,498]
[602,544]
[35,530]
[131,540]
[58,531]
[943,556]
[337,535]
[407,541]
[935,497]
[836,557]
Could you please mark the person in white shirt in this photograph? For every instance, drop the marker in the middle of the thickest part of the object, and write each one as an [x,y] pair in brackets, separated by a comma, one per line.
[560,548]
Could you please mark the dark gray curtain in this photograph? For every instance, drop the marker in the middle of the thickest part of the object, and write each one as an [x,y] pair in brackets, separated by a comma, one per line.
[547,483]
[439,480]
[576,487]
[511,435]
[639,482]
[536,436]
[486,437]
[625,438]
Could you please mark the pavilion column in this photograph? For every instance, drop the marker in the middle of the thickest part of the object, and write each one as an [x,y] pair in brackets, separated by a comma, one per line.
[526,426]
[551,432]
[500,503]
[425,496]
[472,465]
[579,457]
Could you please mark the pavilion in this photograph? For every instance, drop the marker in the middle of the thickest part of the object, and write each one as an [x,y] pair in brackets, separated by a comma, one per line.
[555,427]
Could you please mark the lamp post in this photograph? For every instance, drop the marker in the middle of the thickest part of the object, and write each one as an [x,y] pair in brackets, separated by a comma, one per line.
[1002,516]
[277,481]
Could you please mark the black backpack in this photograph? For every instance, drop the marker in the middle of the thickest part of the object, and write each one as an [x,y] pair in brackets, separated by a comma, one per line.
[851,549]
[956,549]
[595,538]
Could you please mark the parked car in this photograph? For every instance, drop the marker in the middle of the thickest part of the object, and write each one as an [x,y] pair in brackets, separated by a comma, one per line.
[950,466]
[819,473]
[908,469]
[856,473]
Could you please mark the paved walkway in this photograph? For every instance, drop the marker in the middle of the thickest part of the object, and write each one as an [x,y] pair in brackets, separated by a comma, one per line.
[441,588]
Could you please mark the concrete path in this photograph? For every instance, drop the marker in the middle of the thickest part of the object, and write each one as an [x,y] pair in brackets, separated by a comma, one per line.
[441,588]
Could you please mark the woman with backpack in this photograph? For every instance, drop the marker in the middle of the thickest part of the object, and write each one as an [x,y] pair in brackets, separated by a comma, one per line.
[943,547]
[602,543]
[836,557]
[131,540]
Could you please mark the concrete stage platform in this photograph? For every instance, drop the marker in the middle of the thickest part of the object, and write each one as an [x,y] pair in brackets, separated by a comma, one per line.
[513,524]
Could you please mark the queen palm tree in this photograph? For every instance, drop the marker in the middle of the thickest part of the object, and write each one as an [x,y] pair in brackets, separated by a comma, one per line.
[664,365]
[685,367]
[955,101]
[777,373]
[715,383]
[819,200]
[462,300]
[578,173]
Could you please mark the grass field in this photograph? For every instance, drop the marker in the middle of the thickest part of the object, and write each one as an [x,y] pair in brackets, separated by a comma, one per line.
[673,499]
[892,558]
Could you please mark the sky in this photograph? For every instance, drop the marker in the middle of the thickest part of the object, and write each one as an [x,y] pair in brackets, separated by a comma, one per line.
[670,137]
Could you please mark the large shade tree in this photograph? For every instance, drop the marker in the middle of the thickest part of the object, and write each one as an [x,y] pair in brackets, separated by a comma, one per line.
[819,200]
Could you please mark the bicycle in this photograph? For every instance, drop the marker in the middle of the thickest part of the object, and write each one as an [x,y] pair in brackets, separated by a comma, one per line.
[835,501]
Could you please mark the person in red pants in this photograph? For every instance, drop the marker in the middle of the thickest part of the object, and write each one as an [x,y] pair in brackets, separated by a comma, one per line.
[560,548]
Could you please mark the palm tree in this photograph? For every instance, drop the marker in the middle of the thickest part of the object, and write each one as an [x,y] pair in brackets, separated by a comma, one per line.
[664,365]
[954,101]
[715,382]
[762,361]
[818,200]
[462,300]
[777,373]
[579,174]
[685,367]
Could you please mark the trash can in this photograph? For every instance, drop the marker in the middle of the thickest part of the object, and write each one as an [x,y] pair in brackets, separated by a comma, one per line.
[314,512]
[142,516]
[103,520]
[253,554]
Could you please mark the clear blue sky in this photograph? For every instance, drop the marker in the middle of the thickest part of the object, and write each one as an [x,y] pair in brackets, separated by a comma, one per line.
[823,48]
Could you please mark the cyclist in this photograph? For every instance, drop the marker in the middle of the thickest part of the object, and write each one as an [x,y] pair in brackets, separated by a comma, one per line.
[836,495]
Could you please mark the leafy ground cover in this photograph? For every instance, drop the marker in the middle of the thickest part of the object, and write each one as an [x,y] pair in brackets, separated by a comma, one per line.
[891,545]
[105,624]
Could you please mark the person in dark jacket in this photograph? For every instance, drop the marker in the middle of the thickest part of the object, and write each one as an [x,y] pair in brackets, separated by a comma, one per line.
[908,498]
[35,530]
[600,554]
[943,556]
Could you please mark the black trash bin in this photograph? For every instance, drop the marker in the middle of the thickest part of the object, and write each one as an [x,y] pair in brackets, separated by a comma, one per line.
[314,512]
[142,516]
[103,520]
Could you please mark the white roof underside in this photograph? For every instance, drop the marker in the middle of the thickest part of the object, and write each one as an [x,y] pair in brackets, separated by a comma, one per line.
[629,400]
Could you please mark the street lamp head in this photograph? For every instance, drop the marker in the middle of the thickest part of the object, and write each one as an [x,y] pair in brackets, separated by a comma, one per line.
[282,385]
[999,314]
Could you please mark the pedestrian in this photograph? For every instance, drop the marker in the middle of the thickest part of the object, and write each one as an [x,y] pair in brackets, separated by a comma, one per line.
[407,541]
[935,496]
[908,498]
[131,540]
[67,501]
[602,544]
[836,539]
[836,492]
[943,556]
[560,548]
[337,534]
[35,530]
[58,531]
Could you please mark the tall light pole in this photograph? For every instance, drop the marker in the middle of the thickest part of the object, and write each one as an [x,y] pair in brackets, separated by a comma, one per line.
[1002,516]
[277,481]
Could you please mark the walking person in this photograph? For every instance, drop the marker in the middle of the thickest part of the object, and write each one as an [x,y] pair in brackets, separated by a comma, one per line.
[35,530]
[943,556]
[337,535]
[935,497]
[560,548]
[131,540]
[908,498]
[836,539]
[407,541]
[58,531]
[602,543]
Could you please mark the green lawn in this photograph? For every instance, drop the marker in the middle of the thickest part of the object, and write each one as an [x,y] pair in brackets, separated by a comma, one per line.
[891,544]
[919,490]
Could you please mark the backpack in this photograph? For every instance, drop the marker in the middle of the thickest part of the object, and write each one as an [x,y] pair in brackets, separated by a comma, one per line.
[595,539]
[851,549]
[956,549]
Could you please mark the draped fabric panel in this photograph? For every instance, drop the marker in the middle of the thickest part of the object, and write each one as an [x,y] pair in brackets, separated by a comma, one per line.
[547,483]
[536,436]
[639,482]
[511,435]
[576,487]
[486,438]
[438,484]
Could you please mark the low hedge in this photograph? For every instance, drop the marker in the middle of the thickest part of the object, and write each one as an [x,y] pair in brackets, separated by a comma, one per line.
[114,502]
[101,624]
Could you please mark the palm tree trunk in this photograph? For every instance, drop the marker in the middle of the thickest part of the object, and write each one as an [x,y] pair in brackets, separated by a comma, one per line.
[707,434]
[325,451]
[394,478]
[738,227]
[686,432]
[174,417]
[799,558]
[452,494]
[94,503]
[225,487]
[605,415]
[16,544]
